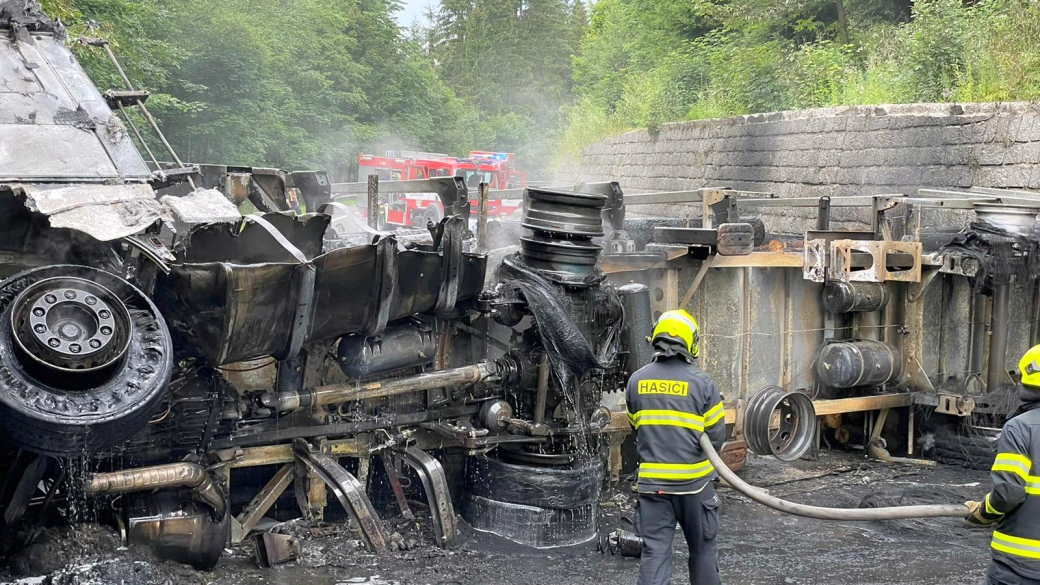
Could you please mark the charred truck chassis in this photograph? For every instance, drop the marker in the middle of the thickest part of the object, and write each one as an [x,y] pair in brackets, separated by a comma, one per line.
[160,357]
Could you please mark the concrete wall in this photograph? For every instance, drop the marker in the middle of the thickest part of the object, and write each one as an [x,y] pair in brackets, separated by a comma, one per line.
[828,151]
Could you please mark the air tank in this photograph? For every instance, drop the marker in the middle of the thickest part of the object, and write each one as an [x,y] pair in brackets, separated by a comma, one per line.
[639,322]
[849,364]
[853,297]
[399,346]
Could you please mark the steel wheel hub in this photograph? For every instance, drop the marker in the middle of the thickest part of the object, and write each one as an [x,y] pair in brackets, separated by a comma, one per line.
[69,326]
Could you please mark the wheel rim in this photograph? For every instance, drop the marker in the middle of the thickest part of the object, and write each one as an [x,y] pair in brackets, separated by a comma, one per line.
[70,331]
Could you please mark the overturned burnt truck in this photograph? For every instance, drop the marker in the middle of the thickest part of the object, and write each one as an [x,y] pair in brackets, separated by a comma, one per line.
[188,370]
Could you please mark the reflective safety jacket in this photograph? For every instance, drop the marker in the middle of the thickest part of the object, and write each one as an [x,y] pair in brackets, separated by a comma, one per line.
[1015,499]
[670,402]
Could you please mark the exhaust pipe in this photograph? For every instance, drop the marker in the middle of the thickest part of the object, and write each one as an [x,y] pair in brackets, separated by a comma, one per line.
[171,475]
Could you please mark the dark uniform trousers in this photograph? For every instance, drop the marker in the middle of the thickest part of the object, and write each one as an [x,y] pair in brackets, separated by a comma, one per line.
[671,403]
[698,515]
[1000,574]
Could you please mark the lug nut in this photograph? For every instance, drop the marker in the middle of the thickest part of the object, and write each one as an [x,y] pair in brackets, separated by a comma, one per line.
[104,314]
[75,348]
[51,299]
[41,328]
[39,312]
[70,294]
[53,342]
[106,330]
[95,343]
[91,300]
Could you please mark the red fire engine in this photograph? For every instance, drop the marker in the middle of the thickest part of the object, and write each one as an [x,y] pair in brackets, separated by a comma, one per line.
[497,169]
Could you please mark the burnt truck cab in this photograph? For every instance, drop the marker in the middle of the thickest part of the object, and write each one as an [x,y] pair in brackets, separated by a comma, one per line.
[85,356]
[160,339]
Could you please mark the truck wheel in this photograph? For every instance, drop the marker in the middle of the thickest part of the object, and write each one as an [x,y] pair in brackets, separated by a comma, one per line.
[533,505]
[85,359]
[432,213]
[545,487]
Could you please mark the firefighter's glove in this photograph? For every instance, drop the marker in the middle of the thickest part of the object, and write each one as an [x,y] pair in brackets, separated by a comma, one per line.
[977,515]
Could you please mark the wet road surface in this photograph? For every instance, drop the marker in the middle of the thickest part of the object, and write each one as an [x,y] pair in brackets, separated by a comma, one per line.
[756,545]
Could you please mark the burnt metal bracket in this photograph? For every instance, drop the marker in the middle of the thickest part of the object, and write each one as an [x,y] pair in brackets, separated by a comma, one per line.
[823,214]
[453,230]
[166,177]
[725,209]
[915,290]
[124,97]
[350,493]
[153,249]
[454,196]
[303,288]
[25,489]
[255,510]
[435,482]
[385,284]
[393,472]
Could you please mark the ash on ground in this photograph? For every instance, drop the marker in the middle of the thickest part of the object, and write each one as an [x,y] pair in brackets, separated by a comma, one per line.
[756,545]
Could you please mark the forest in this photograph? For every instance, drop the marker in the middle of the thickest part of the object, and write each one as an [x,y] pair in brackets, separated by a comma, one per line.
[312,83]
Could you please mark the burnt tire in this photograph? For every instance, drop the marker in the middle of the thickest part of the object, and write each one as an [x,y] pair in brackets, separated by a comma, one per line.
[974,451]
[531,525]
[101,413]
[530,485]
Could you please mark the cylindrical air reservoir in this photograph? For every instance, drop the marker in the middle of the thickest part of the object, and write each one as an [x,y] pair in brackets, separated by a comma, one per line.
[848,364]
[399,346]
[639,322]
[853,297]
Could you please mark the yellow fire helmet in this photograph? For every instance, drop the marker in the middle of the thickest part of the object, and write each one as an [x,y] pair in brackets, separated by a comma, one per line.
[681,325]
[1030,367]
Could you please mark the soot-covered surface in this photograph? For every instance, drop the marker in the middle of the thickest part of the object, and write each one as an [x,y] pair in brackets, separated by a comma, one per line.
[757,546]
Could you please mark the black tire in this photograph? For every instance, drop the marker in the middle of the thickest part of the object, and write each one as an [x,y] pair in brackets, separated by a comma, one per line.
[545,487]
[431,213]
[974,451]
[58,422]
[531,525]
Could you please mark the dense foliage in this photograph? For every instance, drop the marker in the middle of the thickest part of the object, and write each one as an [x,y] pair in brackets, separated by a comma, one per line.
[310,83]
[645,62]
[296,83]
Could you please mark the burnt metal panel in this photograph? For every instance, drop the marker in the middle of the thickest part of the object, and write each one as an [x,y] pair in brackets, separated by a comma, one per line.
[54,123]
[233,312]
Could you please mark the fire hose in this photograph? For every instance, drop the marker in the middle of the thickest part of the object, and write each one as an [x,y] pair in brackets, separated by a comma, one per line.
[823,513]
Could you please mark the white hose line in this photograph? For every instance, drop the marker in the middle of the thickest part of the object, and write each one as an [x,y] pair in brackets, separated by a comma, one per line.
[821,513]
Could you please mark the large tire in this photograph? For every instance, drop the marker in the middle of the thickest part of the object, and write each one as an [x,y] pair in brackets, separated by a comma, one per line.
[58,421]
[974,451]
[529,485]
[531,525]
[432,213]
[533,505]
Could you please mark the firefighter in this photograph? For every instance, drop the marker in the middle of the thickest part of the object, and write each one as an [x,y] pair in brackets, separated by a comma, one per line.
[1014,504]
[671,401]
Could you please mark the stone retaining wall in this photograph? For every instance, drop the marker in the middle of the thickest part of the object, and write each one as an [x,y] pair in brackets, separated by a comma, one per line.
[830,151]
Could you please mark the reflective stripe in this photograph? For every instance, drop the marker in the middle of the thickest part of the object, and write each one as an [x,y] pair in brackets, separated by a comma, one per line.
[674,418]
[675,471]
[1014,463]
[717,413]
[1019,465]
[990,509]
[1015,545]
